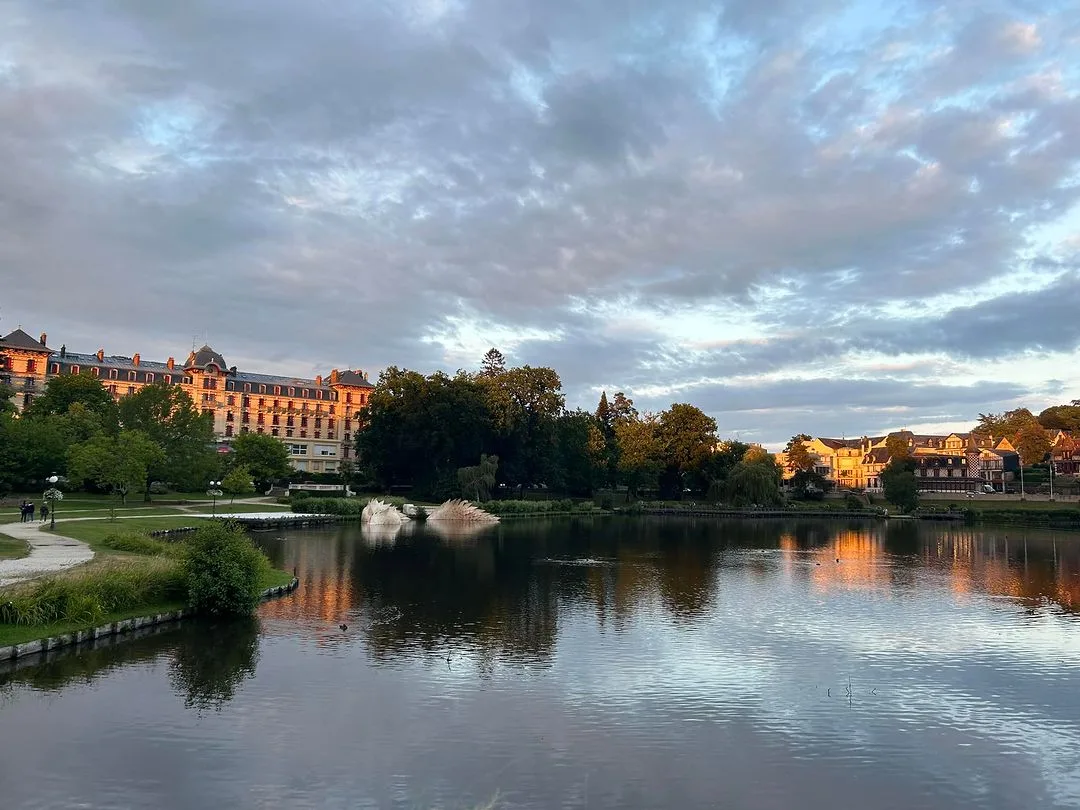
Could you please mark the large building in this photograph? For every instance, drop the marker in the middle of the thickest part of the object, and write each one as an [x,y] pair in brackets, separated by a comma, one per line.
[315,418]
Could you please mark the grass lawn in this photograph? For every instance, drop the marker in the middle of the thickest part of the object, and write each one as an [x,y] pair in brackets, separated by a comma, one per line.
[12,549]
[94,531]
[20,634]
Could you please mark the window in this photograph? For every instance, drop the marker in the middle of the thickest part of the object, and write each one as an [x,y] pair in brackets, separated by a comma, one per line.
[262,389]
[246,401]
[95,370]
[230,386]
[348,398]
[112,390]
[247,388]
[290,421]
[260,419]
[55,368]
[318,393]
[292,393]
[229,416]
[228,430]
[230,400]
[318,422]
[325,450]
[74,369]
[261,429]
[303,421]
[276,420]
[113,373]
[30,366]
[297,449]
[273,431]
[245,417]
[187,379]
[288,432]
[262,402]
[277,390]
[303,433]
[305,393]
[277,404]
[149,377]
[318,434]
[168,379]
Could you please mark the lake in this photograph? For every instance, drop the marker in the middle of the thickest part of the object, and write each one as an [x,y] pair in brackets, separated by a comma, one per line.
[592,663]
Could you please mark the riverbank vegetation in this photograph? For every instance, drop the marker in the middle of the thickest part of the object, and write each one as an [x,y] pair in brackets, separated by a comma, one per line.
[217,570]
[12,548]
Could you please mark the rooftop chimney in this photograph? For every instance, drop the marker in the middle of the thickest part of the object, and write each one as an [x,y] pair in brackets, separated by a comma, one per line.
[334,376]
[135,359]
[42,338]
[100,355]
[318,380]
[170,362]
[63,350]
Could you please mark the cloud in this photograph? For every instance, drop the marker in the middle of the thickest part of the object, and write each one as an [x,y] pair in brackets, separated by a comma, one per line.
[662,198]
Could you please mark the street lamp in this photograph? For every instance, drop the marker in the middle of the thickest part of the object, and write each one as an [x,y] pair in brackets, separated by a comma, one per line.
[215,493]
[52,495]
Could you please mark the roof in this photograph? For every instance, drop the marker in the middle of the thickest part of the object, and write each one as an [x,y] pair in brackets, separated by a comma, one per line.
[836,444]
[274,379]
[114,361]
[879,455]
[355,378]
[204,357]
[20,340]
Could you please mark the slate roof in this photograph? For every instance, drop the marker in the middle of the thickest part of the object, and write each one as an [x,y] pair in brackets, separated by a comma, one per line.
[879,455]
[20,340]
[837,444]
[274,379]
[350,377]
[204,357]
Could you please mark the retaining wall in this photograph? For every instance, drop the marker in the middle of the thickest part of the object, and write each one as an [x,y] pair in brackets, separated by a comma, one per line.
[44,645]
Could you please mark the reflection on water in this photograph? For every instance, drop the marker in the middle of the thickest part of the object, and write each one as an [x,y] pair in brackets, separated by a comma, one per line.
[590,663]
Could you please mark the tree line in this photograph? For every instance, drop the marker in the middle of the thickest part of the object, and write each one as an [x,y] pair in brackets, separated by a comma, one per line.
[508,429]
[79,432]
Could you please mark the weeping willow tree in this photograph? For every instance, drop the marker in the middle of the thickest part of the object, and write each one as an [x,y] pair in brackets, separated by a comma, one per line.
[477,482]
[754,482]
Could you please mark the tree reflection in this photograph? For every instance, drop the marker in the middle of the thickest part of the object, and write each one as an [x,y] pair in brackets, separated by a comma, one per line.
[209,666]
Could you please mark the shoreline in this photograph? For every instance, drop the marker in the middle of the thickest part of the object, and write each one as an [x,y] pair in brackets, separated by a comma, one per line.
[121,627]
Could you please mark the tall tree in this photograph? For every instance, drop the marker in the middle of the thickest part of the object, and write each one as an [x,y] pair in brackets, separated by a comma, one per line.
[900,485]
[755,481]
[265,457]
[1007,424]
[66,390]
[1032,443]
[605,451]
[622,408]
[114,463]
[799,457]
[169,417]
[525,403]
[1062,417]
[687,437]
[639,453]
[493,363]
[238,482]
[576,470]
[897,446]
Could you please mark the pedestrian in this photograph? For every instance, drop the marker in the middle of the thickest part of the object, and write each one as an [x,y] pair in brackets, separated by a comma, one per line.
[44,512]
[22,511]
[30,511]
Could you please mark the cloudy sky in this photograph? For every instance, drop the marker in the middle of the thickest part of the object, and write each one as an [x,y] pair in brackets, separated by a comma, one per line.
[837,217]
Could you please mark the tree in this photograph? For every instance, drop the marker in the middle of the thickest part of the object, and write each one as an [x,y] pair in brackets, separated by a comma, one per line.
[493,363]
[265,457]
[897,446]
[1062,417]
[68,389]
[1032,443]
[808,485]
[524,404]
[899,483]
[687,436]
[799,457]
[755,482]
[115,463]
[477,482]
[576,468]
[639,452]
[169,417]
[1007,424]
[238,482]
[719,466]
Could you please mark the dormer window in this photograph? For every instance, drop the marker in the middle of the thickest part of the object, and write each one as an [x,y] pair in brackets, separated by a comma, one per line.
[113,373]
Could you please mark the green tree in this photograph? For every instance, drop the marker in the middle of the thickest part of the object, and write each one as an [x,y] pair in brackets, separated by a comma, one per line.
[897,446]
[223,570]
[493,363]
[64,391]
[719,466]
[900,485]
[478,482]
[1032,443]
[265,457]
[115,463]
[1062,417]
[687,437]
[237,482]
[524,404]
[808,485]
[577,467]
[755,482]
[169,417]
[639,452]
[1007,424]
[799,457]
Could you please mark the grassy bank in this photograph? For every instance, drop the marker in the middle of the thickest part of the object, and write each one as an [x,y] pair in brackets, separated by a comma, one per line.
[132,574]
[12,549]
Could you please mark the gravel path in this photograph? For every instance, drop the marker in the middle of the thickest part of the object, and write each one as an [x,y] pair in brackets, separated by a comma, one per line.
[49,553]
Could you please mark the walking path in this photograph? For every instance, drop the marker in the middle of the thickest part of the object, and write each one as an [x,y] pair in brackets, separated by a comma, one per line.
[49,553]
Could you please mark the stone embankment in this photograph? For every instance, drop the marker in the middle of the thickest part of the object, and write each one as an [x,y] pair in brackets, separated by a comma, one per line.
[45,645]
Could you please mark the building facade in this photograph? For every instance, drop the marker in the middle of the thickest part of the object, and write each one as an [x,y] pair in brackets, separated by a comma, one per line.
[316,418]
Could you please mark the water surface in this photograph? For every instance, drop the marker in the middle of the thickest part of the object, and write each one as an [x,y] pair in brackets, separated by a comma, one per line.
[607,663]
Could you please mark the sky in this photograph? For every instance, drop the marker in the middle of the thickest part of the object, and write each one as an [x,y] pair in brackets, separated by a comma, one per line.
[828,217]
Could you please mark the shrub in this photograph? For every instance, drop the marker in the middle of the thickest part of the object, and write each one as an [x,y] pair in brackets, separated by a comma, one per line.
[223,569]
[606,502]
[853,502]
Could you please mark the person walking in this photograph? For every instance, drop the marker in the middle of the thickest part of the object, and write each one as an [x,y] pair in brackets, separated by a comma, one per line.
[44,512]
[22,511]
[30,511]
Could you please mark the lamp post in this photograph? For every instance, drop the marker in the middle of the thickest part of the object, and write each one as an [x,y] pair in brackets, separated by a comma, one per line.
[52,495]
[215,493]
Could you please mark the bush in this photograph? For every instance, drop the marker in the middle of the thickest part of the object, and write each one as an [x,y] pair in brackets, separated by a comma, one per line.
[606,502]
[853,502]
[87,597]
[223,569]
